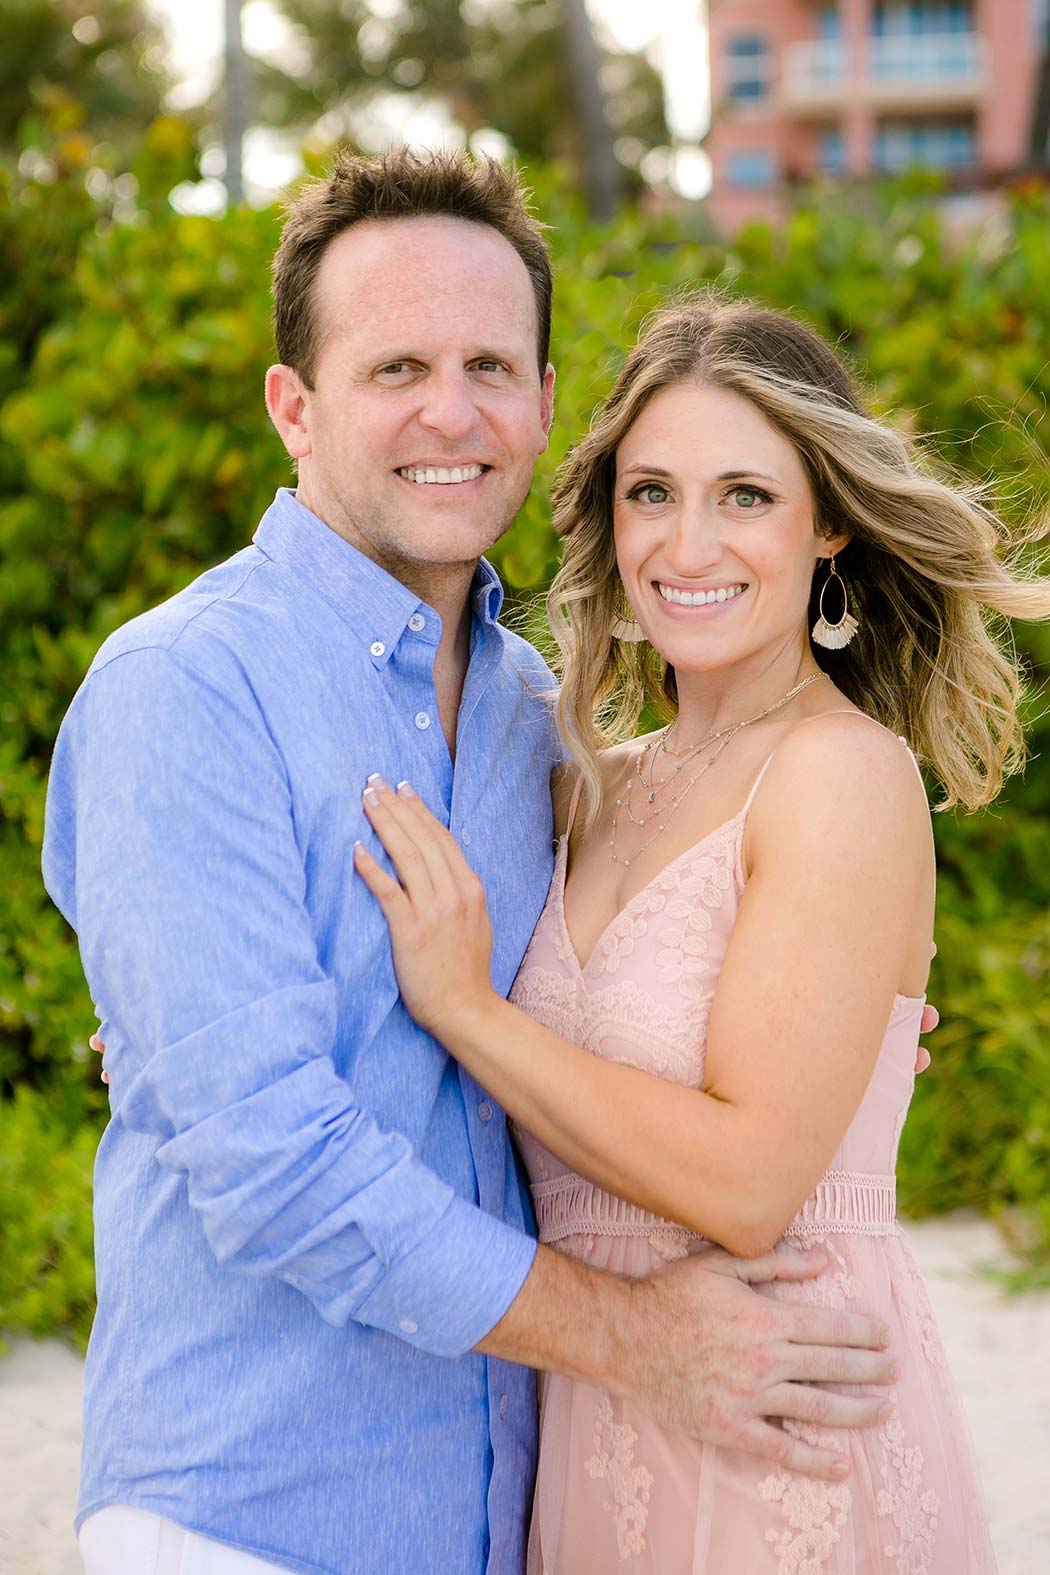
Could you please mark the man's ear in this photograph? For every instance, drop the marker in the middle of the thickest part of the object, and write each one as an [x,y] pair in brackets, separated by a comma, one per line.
[547,401]
[288,404]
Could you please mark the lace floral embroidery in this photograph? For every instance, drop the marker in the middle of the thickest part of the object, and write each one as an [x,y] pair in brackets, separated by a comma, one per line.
[815,1513]
[916,1314]
[651,1034]
[914,1512]
[611,1462]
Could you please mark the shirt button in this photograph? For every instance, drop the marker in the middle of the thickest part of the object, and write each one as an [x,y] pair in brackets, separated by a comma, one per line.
[464,837]
[417,623]
[503,1403]
[485,1111]
[377,648]
[422,720]
[408,1327]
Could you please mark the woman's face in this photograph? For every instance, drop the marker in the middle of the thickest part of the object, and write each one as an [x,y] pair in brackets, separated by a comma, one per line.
[713,521]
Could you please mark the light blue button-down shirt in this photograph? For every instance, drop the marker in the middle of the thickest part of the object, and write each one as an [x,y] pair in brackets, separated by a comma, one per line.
[306,1214]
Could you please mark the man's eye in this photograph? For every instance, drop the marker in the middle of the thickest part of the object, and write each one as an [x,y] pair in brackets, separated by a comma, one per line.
[489,365]
[395,369]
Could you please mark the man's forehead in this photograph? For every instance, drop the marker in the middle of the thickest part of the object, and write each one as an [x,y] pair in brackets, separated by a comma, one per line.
[412,256]
[432,279]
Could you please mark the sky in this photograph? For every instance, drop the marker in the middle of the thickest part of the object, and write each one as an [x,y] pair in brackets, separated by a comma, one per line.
[670,30]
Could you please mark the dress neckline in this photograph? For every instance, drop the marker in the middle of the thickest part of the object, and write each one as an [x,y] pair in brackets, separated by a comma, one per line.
[558,893]
[562,876]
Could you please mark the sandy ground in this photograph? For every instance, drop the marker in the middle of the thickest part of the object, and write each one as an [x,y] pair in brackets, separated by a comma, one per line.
[999,1348]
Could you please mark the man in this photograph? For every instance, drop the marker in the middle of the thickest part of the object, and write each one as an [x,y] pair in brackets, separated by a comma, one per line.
[319,1300]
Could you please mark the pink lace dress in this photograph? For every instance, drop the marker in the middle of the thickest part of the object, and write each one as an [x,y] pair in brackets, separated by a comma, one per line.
[617,1492]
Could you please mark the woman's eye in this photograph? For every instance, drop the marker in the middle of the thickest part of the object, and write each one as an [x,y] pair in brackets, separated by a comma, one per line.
[749,497]
[651,492]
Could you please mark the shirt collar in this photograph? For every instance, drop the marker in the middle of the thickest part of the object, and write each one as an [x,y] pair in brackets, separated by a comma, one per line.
[376,606]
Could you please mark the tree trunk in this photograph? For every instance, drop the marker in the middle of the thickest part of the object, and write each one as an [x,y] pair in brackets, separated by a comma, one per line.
[235,107]
[600,173]
[1039,132]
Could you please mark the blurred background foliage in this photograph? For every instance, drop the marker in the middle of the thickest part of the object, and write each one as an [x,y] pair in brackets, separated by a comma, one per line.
[499,67]
[135,451]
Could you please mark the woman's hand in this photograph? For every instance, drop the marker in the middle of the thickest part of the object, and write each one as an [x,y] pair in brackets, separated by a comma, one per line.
[439,924]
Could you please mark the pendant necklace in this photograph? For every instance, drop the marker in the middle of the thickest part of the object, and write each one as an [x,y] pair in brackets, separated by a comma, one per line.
[710,747]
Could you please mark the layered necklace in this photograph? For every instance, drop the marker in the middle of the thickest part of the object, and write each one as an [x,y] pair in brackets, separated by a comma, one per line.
[648,802]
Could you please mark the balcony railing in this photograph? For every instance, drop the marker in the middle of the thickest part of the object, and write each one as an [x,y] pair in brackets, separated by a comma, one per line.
[926,58]
[934,65]
[812,70]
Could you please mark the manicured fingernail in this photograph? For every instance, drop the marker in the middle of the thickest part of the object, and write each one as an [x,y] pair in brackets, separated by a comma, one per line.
[375,777]
[895,1373]
[370,796]
[841,1468]
[885,1413]
[404,788]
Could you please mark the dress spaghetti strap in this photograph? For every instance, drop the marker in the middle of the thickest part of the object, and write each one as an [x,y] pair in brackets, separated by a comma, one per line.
[801,723]
[574,804]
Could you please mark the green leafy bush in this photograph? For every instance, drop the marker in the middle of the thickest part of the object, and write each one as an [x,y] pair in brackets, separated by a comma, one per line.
[47,1270]
[135,450]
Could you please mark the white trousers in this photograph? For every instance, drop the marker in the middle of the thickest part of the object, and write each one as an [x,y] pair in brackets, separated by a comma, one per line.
[121,1540]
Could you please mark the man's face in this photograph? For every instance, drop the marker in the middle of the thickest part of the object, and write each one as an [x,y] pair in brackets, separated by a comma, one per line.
[418,441]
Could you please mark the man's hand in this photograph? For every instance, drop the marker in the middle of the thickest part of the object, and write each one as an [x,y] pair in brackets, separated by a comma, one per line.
[930,1018]
[701,1351]
[97,1044]
[718,1360]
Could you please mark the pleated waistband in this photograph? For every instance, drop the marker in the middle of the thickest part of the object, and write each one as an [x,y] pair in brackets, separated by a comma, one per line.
[849,1203]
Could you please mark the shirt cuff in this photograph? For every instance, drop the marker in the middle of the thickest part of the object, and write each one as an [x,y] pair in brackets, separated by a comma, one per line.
[455,1285]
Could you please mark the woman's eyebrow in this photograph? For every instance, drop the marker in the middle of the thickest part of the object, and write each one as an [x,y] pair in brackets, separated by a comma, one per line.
[725,475]
[739,475]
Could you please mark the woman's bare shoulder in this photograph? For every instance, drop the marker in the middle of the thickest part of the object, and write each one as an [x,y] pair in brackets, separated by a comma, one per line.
[847,760]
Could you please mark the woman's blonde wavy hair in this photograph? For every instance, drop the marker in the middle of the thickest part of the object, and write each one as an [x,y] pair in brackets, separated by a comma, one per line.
[933,573]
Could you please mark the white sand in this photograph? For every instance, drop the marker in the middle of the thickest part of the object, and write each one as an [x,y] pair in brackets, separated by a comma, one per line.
[999,1348]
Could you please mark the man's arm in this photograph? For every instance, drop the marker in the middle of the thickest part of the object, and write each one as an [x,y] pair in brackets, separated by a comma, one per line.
[702,1353]
[171,848]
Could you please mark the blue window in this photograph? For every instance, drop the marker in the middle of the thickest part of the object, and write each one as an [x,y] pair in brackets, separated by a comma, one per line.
[829,23]
[923,18]
[831,152]
[747,67]
[933,145]
[751,169]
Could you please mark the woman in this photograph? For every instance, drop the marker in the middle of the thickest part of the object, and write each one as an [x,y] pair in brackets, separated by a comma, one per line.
[712,1036]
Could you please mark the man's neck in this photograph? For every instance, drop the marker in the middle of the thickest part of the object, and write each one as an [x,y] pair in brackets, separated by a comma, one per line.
[445,587]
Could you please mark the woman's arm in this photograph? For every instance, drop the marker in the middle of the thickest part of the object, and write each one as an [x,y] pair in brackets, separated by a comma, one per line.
[822,942]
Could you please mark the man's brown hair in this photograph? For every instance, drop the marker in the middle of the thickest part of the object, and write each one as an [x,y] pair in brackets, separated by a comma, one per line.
[400,184]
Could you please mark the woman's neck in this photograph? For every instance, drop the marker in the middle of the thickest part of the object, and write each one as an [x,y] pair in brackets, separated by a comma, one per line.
[723,696]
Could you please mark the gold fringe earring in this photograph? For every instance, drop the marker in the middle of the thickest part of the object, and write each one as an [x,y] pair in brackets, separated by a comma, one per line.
[833,636]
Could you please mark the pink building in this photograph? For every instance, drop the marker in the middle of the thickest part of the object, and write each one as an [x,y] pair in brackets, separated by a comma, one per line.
[802,89]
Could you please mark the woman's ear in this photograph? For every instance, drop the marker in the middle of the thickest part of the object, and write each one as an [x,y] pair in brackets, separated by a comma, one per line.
[831,546]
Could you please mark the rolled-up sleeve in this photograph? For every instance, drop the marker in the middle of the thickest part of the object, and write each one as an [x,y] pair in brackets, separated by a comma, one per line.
[171,848]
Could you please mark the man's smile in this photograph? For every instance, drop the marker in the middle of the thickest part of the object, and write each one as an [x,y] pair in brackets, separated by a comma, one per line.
[441,475]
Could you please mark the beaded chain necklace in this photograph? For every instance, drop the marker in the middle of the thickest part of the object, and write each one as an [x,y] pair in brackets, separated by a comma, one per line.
[653,791]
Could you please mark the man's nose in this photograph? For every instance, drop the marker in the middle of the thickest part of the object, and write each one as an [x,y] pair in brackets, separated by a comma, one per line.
[448,406]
